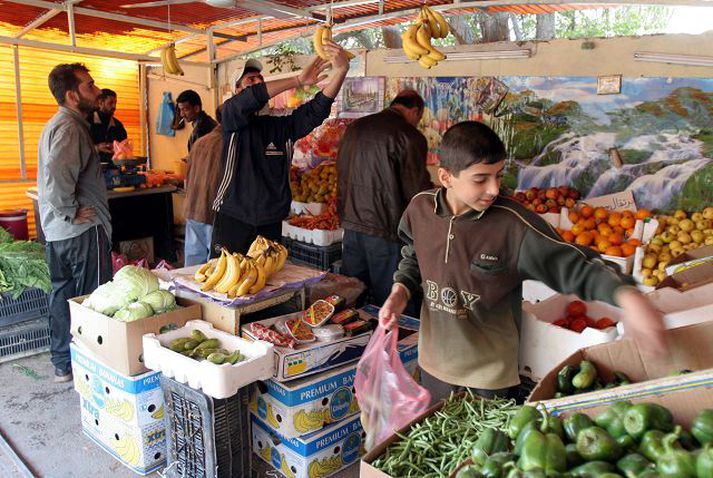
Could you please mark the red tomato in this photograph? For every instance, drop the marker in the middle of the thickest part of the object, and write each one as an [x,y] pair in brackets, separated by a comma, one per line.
[563,322]
[604,323]
[578,325]
[576,308]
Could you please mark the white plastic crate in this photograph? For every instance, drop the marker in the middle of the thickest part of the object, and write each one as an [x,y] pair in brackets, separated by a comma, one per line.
[544,345]
[217,381]
[318,237]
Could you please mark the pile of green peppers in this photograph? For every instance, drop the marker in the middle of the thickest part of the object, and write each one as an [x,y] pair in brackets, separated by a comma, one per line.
[624,440]
[582,378]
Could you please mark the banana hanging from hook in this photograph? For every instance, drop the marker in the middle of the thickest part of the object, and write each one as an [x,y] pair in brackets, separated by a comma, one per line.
[322,34]
[169,60]
[416,40]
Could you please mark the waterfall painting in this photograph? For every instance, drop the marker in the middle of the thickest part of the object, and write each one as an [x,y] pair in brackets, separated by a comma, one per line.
[654,139]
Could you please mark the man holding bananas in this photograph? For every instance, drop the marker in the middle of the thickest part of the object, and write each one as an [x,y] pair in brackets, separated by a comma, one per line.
[254,195]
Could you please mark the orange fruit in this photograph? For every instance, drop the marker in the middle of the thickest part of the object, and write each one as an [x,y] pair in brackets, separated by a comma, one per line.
[634,242]
[603,245]
[604,229]
[573,217]
[629,232]
[586,211]
[568,236]
[618,230]
[627,249]
[643,214]
[578,228]
[614,251]
[627,213]
[584,239]
[616,239]
[600,213]
[614,219]
[627,222]
[590,223]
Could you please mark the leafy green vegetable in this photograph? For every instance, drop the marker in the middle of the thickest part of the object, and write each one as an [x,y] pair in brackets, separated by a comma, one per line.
[134,311]
[107,299]
[136,282]
[160,301]
[22,266]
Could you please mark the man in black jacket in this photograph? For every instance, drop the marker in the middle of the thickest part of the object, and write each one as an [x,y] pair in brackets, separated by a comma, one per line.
[190,107]
[104,127]
[381,165]
[254,195]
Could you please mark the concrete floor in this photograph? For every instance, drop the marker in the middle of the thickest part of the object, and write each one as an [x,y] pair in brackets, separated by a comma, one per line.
[40,420]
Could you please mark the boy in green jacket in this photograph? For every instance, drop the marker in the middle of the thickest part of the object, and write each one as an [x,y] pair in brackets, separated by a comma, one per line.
[470,249]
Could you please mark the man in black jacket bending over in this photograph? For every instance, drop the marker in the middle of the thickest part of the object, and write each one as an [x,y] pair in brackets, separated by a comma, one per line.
[381,165]
[254,195]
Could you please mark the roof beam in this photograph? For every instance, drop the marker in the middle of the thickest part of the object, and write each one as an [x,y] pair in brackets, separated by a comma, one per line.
[274,9]
[42,19]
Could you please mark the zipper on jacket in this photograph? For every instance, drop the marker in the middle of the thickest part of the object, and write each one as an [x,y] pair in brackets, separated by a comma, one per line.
[449,237]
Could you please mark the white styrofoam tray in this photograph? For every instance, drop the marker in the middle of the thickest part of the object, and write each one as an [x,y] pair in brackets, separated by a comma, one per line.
[218,381]
[318,237]
[544,345]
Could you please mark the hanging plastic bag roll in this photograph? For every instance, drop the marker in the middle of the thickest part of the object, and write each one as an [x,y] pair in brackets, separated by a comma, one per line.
[166,113]
[388,395]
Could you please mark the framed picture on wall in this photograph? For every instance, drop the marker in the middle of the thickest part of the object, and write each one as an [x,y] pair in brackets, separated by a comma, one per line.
[609,85]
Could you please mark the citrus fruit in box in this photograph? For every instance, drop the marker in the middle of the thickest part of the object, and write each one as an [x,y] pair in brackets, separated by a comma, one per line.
[547,199]
[606,232]
[677,234]
[316,185]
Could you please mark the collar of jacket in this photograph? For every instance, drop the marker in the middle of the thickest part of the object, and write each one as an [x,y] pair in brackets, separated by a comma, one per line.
[97,119]
[440,207]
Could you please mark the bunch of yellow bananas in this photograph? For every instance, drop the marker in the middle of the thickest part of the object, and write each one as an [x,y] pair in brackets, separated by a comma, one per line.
[271,418]
[128,450]
[308,421]
[326,467]
[417,38]
[237,275]
[169,60]
[321,34]
[120,409]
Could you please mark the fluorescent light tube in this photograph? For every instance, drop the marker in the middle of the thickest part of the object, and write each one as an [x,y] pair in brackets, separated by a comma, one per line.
[470,55]
[692,60]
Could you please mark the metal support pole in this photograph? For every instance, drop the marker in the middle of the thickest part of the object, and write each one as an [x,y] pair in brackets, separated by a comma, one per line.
[18,109]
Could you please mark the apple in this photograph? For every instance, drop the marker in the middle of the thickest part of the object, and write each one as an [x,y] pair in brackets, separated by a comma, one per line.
[651,281]
[646,272]
[687,225]
[677,252]
[650,261]
[551,193]
[680,214]
[536,202]
[697,216]
[530,194]
[655,248]
[550,203]
[540,209]
[709,241]
[520,197]
[684,237]
[542,194]
[569,202]
[554,209]
[674,230]
[708,213]
[573,194]
[697,236]
[667,237]
[560,200]
[675,244]
[563,190]
[657,241]
[703,224]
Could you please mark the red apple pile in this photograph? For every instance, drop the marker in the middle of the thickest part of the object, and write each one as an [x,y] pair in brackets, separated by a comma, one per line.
[547,200]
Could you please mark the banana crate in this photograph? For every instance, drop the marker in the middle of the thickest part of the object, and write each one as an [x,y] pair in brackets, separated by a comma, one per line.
[135,401]
[218,381]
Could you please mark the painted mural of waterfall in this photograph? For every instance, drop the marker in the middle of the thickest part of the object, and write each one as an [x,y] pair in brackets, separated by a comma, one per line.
[655,191]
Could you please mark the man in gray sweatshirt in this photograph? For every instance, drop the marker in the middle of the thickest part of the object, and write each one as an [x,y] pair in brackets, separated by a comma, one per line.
[74,210]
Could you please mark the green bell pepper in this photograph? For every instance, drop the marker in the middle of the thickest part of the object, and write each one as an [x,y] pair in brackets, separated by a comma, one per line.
[564,379]
[593,469]
[612,419]
[543,451]
[573,456]
[643,417]
[586,376]
[469,471]
[704,462]
[490,441]
[551,424]
[523,416]
[575,424]
[493,467]
[651,445]
[531,427]
[702,427]
[620,378]
[626,442]
[675,462]
[633,464]
[595,444]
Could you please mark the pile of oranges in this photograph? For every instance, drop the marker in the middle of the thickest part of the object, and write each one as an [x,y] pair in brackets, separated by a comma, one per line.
[608,232]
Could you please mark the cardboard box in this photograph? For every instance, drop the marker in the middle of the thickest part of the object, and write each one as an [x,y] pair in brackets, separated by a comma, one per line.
[135,401]
[315,357]
[691,306]
[544,345]
[227,318]
[141,449]
[320,454]
[693,277]
[685,402]
[305,405]
[118,344]
[688,348]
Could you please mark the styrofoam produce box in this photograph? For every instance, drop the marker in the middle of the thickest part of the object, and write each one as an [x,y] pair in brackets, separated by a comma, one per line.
[315,357]
[305,405]
[313,208]
[319,454]
[141,449]
[544,345]
[135,401]
[217,381]
[318,237]
[535,291]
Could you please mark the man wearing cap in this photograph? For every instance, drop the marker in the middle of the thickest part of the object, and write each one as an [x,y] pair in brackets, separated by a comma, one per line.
[254,195]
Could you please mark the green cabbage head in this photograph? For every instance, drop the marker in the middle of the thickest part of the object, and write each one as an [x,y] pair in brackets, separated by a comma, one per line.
[136,282]
[134,311]
[160,301]
[107,299]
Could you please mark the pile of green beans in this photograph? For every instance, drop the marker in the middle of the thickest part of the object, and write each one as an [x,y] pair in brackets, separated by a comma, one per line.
[435,446]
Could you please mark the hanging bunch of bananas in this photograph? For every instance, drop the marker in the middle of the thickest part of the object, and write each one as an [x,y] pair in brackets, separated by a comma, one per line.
[237,275]
[169,60]
[321,34]
[417,38]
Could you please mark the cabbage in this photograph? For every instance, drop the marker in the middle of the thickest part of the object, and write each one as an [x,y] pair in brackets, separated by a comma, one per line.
[160,301]
[136,282]
[107,299]
[134,311]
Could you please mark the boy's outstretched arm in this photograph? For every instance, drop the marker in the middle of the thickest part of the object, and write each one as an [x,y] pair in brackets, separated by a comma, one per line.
[643,322]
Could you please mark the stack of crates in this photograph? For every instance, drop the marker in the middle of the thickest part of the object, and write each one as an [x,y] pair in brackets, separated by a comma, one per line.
[24,324]
[319,257]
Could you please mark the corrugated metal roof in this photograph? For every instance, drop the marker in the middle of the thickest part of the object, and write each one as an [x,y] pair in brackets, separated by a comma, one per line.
[129,37]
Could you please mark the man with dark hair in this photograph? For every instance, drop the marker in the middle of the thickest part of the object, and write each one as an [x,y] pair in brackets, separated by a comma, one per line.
[202,177]
[381,165]
[190,107]
[73,206]
[104,127]
[254,195]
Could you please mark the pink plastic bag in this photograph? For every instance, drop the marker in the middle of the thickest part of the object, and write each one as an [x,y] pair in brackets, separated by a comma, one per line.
[388,396]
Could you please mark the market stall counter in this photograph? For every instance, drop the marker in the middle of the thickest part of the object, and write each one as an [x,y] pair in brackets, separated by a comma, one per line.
[135,215]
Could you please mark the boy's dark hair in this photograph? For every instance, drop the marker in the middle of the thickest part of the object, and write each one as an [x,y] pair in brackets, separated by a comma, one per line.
[409,99]
[63,78]
[468,143]
[190,97]
[106,93]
